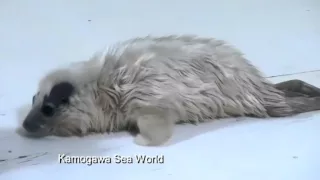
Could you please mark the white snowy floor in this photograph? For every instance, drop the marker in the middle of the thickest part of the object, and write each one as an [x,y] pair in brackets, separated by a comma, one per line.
[278,36]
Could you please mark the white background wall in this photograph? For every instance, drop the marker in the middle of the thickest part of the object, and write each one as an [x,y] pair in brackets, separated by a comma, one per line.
[284,32]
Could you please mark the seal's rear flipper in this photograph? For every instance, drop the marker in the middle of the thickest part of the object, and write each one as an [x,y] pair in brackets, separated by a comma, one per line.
[293,88]
[304,104]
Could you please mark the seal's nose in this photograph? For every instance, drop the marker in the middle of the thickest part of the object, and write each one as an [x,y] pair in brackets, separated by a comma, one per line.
[34,120]
[31,126]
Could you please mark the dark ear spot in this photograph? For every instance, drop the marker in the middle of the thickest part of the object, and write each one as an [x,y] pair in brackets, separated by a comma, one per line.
[33,99]
[59,95]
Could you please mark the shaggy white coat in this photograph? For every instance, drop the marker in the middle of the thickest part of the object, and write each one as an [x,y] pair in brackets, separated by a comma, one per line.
[155,82]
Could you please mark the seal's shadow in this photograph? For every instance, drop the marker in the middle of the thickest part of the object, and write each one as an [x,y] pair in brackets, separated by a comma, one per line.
[17,151]
[188,131]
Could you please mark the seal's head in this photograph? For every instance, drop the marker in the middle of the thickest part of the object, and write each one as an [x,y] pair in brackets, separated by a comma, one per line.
[65,102]
[47,112]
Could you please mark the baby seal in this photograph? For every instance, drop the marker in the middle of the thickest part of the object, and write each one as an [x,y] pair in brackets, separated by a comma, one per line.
[149,84]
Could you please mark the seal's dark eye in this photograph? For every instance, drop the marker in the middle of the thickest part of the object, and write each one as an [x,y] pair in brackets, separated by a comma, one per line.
[64,100]
[48,109]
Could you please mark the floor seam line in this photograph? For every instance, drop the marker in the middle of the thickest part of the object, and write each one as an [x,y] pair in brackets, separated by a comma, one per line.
[289,74]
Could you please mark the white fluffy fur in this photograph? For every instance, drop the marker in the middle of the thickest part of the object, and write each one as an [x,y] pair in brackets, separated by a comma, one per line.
[154,82]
